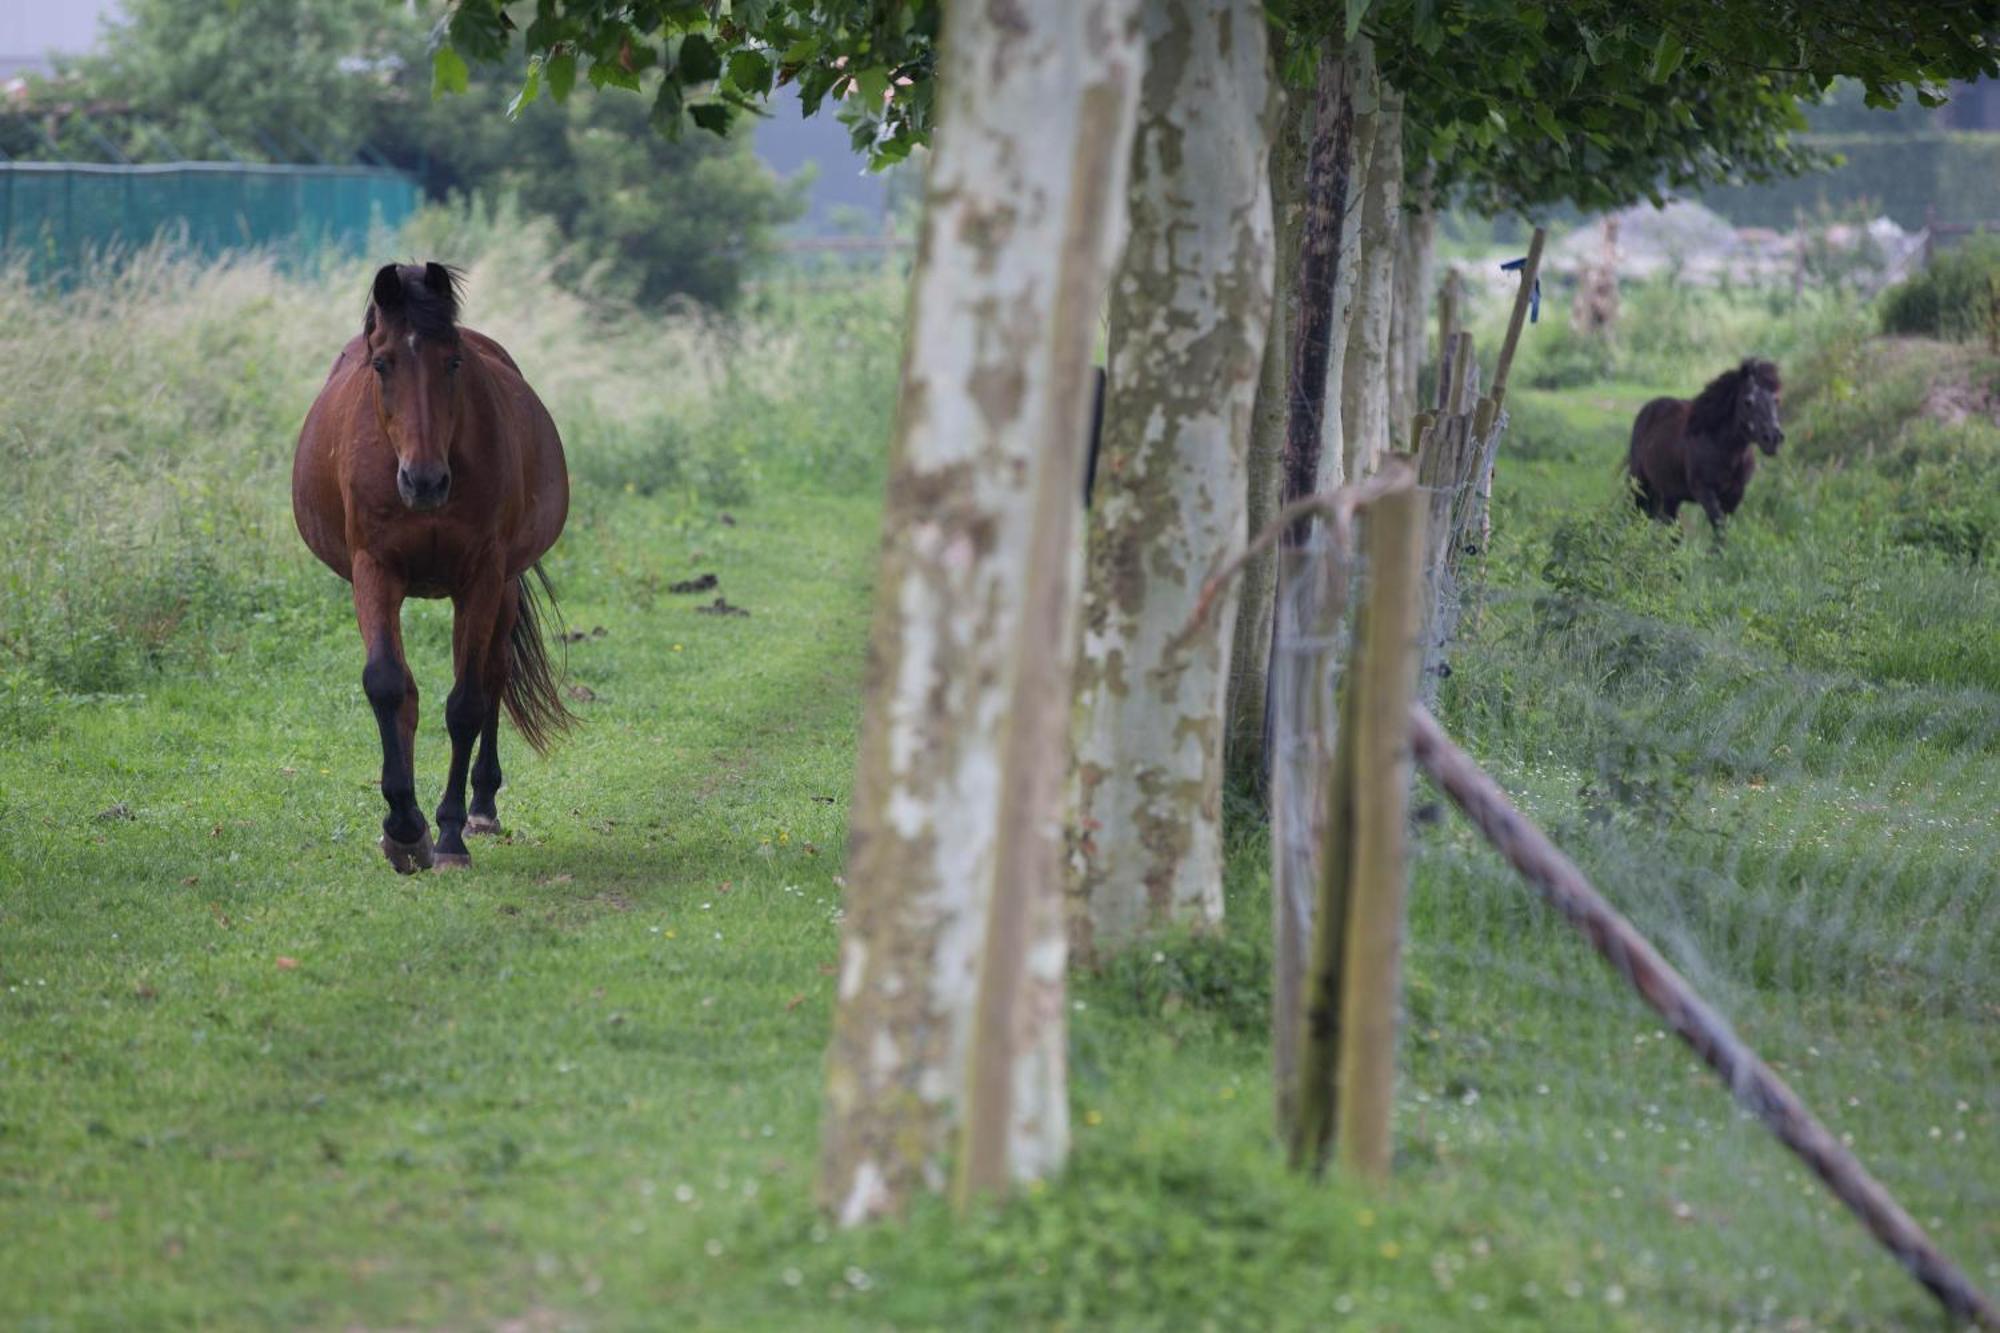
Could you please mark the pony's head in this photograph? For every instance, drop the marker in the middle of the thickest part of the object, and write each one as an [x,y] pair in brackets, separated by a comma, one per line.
[1757,404]
[411,331]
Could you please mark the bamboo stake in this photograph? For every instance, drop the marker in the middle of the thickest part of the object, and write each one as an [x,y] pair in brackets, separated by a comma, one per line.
[1529,272]
[1372,966]
[1754,1084]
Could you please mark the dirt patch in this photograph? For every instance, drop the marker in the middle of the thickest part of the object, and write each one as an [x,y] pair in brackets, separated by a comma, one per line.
[700,583]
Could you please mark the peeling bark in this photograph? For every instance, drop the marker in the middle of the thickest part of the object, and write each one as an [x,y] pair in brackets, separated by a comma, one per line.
[1366,390]
[1190,314]
[952,950]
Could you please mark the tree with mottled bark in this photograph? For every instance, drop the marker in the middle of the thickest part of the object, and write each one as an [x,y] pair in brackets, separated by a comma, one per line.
[1365,389]
[1190,312]
[948,1034]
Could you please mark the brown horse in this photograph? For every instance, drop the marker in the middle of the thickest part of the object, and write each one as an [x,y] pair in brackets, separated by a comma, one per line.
[1700,450]
[428,468]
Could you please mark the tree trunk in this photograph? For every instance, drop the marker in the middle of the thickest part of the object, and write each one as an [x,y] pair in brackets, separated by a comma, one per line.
[1190,312]
[1409,314]
[1250,658]
[950,999]
[1364,88]
[1365,394]
[1329,164]
[1303,609]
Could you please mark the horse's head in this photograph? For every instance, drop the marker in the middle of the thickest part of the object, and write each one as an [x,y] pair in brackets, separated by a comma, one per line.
[413,344]
[1757,405]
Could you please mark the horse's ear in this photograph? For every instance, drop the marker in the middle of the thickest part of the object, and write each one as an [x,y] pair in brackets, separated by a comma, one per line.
[443,282]
[388,290]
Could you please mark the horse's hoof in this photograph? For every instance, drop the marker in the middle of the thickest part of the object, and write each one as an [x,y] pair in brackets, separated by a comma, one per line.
[453,861]
[409,857]
[482,825]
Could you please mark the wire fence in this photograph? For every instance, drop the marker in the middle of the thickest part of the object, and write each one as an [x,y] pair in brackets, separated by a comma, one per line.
[1818,854]
[56,217]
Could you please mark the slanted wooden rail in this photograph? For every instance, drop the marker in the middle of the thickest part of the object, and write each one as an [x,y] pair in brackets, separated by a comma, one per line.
[1755,1085]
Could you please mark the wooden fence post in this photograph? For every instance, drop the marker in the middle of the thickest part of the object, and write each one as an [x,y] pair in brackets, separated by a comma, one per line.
[1346,1064]
[1372,969]
[1530,271]
[1451,315]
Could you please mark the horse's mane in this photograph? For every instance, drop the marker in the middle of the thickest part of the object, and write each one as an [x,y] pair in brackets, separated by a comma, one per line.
[427,304]
[1714,409]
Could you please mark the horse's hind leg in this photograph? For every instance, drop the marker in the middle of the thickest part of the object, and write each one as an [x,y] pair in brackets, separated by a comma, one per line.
[477,613]
[484,816]
[392,694]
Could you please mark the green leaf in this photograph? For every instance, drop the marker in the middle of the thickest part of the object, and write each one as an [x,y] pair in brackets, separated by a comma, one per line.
[480,29]
[448,72]
[750,72]
[607,74]
[698,61]
[1357,10]
[1667,57]
[711,116]
[530,90]
[562,74]
[667,107]
[872,85]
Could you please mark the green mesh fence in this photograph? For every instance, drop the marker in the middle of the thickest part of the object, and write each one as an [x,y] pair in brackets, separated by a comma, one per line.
[57,214]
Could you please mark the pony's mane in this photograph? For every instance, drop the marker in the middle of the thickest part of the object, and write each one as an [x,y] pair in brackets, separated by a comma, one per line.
[1714,408]
[429,303]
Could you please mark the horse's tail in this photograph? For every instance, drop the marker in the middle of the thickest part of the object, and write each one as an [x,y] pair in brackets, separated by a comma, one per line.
[532,697]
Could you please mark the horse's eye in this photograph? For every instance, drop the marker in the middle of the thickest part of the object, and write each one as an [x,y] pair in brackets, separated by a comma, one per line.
[381,366]
[453,364]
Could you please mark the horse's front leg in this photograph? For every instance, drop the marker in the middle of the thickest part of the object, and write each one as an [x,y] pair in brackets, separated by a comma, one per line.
[392,694]
[1711,504]
[476,614]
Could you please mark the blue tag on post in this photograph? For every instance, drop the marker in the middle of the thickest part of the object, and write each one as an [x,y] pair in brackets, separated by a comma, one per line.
[1534,297]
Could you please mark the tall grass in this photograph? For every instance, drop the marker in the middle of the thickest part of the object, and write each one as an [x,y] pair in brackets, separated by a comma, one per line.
[147,429]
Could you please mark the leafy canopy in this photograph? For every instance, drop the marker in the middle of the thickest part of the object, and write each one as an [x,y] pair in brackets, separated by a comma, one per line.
[710,61]
[1521,105]
[1601,102]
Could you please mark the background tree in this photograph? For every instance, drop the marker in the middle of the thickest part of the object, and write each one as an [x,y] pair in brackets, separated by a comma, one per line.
[1189,314]
[292,80]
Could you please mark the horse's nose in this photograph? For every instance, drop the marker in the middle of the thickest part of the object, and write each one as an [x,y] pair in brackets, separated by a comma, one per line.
[424,486]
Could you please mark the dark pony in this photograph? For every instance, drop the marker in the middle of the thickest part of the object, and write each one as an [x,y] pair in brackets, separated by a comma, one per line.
[428,468]
[1700,449]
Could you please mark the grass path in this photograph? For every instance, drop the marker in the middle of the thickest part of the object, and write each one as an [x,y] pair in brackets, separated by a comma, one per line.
[250,1076]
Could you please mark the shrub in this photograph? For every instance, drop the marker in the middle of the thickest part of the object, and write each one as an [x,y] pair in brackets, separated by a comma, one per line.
[1957,297]
[1566,359]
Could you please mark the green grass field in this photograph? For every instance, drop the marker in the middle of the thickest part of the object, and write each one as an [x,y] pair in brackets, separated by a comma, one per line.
[250,1078]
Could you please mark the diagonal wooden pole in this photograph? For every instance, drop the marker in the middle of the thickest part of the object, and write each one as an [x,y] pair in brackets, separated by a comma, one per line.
[1756,1086]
